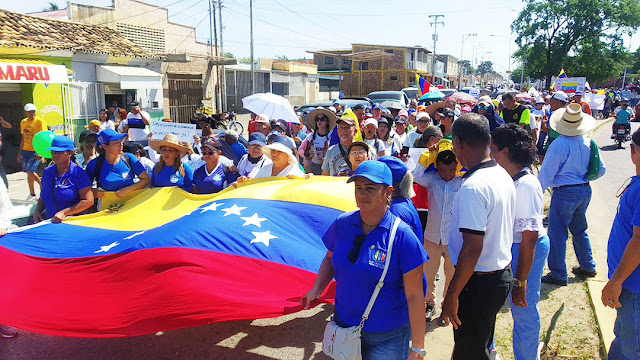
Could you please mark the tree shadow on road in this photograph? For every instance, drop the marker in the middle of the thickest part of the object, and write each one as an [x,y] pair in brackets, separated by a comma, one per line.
[292,336]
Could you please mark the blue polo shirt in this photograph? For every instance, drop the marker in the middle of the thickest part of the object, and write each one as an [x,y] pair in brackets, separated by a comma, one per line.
[206,183]
[627,217]
[406,211]
[117,176]
[623,117]
[65,188]
[168,177]
[355,282]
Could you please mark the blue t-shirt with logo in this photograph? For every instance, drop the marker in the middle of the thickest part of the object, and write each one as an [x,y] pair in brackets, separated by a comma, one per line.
[168,177]
[117,176]
[627,217]
[65,189]
[205,183]
[355,282]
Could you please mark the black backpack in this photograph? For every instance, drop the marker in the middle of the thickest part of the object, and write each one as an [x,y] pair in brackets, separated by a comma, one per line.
[100,163]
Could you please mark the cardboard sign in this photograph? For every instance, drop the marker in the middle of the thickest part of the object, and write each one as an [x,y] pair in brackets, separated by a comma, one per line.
[184,132]
[570,85]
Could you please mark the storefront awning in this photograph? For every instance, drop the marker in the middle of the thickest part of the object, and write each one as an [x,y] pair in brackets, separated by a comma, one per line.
[32,71]
[129,77]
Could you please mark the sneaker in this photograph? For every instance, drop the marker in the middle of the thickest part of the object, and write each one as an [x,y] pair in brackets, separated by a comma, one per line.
[32,198]
[429,312]
[578,271]
[551,280]
[8,332]
[613,136]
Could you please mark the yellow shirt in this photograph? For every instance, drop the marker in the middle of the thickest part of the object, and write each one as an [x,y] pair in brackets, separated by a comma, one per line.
[28,129]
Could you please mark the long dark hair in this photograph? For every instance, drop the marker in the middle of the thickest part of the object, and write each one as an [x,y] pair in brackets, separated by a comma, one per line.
[307,150]
[519,142]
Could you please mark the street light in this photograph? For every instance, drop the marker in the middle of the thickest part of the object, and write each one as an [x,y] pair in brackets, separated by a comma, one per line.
[464,38]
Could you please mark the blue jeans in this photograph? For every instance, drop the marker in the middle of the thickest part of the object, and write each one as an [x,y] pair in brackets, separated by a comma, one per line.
[626,345]
[526,321]
[568,212]
[385,345]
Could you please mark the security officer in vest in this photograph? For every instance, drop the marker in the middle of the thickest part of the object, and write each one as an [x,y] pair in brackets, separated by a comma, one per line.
[514,112]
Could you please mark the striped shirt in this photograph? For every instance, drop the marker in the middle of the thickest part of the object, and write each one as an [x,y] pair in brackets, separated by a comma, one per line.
[441,195]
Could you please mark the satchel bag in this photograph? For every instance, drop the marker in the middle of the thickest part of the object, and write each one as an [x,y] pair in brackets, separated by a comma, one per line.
[344,343]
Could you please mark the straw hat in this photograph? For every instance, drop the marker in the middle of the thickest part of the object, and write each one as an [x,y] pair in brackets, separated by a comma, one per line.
[571,121]
[331,116]
[169,140]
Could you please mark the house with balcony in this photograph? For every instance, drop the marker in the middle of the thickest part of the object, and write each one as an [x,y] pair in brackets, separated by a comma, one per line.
[366,68]
[451,69]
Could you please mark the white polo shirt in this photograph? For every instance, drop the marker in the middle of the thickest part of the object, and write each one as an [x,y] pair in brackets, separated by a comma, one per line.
[485,205]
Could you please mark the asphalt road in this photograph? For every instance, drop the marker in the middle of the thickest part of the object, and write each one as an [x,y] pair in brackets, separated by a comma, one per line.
[604,202]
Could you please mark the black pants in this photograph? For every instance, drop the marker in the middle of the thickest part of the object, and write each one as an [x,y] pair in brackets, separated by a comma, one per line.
[479,303]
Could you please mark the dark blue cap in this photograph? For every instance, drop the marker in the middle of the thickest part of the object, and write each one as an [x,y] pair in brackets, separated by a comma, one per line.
[397,167]
[257,138]
[62,143]
[376,106]
[374,171]
[107,135]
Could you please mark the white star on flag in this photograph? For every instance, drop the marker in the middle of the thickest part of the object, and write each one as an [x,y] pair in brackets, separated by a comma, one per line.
[262,237]
[133,235]
[234,210]
[211,207]
[252,220]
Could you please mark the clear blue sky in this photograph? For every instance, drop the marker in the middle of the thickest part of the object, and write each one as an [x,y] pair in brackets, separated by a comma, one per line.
[291,27]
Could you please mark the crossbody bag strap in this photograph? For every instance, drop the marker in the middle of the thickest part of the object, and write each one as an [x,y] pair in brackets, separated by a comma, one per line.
[378,287]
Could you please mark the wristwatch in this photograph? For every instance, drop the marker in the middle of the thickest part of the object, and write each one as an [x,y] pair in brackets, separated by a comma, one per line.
[519,283]
[421,352]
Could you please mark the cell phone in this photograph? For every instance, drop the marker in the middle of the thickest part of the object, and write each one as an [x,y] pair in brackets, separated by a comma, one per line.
[405,150]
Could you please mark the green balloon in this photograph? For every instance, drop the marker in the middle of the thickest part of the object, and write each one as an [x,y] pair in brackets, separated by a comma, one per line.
[41,142]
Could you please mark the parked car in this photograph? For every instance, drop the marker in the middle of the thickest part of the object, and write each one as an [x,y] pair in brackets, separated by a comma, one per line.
[448,92]
[346,102]
[380,96]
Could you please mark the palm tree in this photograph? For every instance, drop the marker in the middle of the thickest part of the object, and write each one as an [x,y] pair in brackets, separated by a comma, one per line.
[52,7]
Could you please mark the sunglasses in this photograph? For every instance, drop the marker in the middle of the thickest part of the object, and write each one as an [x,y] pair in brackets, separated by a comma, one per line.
[318,119]
[357,244]
[483,108]
[205,153]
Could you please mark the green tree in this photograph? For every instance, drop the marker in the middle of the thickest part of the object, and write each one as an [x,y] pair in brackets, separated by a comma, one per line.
[561,30]
[466,65]
[282,57]
[485,67]
[228,55]
[52,7]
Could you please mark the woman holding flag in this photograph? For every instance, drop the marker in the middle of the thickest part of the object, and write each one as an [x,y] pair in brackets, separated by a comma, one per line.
[357,246]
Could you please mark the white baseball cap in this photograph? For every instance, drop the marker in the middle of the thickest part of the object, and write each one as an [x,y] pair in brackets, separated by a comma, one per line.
[30,107]
[371,121]
[423,115]
[560,95]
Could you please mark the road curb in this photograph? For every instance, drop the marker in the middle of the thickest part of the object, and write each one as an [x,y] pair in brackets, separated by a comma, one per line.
[603,123]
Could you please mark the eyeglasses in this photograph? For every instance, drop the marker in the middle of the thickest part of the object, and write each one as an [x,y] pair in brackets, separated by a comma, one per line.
[483,108]
[255,146]
[358,153]
[319,119]
[357,244]
[205,153]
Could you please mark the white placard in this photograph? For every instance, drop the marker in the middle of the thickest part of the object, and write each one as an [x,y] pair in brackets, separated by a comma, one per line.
[596,102]
[184,132]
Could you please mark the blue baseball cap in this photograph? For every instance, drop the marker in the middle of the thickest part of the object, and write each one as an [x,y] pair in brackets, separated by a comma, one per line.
[107,135]
[374,171]
[257,138]
[62,143]
[412,111]
[336,101]
[376,106]
[397,167]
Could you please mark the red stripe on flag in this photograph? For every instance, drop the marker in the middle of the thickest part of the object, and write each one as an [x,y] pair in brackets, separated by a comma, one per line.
[144,291]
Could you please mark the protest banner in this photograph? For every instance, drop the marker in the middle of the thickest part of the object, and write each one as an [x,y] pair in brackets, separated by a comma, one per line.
[570,85]
[184,132]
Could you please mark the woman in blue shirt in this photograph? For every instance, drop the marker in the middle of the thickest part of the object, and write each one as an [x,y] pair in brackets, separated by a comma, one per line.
[211,177]
[113,170]
[357,244]
[66,188]
[170,171]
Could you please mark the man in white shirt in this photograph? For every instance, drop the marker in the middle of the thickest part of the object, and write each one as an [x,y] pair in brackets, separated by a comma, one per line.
[136,123]
[423,120]
[480,239]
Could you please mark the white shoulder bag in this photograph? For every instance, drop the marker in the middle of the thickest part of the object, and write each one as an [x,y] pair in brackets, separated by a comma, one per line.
[344,343]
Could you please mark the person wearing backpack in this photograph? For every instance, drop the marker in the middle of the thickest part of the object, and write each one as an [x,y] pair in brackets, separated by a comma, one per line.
[113,170]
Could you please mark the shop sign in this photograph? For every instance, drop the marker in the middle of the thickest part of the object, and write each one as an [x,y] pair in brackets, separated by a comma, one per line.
[33,73]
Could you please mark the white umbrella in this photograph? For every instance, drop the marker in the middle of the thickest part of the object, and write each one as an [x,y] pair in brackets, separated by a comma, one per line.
[274,106]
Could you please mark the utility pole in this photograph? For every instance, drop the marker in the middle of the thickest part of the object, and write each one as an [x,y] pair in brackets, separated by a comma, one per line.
[213,45]
[223,77]
[435,22]
[253,75]
[524,63]
[464,37]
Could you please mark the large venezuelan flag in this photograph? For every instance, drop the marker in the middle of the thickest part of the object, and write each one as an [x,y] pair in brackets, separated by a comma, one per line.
[167,259]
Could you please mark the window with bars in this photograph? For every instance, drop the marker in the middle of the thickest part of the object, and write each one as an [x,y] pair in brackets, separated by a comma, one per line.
[149,39]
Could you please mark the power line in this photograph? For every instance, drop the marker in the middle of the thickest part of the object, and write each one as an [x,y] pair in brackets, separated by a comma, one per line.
[312,22]
[292,31]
